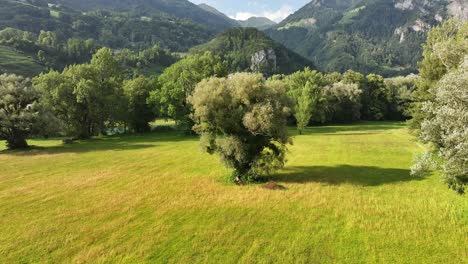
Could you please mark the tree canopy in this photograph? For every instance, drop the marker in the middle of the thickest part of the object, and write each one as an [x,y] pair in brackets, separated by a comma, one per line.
[19,110]
[243,118]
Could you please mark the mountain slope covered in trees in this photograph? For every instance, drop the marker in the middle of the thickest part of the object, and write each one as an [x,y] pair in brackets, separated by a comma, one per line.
[257,22]
[37,35]
[182,9]
[248,49]
[109,28]
[378,36]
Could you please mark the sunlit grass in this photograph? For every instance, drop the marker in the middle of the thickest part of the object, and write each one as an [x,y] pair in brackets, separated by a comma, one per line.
[156,198]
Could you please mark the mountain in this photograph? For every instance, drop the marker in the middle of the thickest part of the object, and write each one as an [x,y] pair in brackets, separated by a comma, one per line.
[381,36]
[117,30]
[249,49]
[182,9]
[261,23]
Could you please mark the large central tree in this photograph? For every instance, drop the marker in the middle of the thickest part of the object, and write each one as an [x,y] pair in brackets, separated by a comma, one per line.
[243,118]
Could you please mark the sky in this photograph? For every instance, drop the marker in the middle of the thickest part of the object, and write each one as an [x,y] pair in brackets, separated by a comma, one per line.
[275,10]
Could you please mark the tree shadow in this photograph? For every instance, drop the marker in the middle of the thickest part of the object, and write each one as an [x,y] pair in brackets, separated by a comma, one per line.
[114,143]
[344,174]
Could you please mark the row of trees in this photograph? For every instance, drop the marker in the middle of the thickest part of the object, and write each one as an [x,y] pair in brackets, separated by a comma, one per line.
[83,100]
[243,116]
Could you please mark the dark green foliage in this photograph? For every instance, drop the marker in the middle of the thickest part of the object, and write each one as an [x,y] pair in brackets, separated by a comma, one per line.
[139,112]
[248,49]
[179,81]
[399,93]
[182,9]
[151,61]
[87,98]
[113,29]
[373,98]
[19,111]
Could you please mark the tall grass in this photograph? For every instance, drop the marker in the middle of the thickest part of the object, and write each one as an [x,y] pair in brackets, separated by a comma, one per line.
[156,198]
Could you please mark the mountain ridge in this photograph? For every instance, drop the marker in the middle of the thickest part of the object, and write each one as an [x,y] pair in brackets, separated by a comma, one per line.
[378,36]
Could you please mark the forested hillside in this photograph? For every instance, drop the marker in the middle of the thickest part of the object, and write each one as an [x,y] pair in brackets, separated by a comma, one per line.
[182,9]
[257,22]
[248,49]
[37,35]
[379,36]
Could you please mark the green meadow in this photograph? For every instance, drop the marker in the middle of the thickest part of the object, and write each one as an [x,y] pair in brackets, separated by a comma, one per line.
[348,198]
[12,61]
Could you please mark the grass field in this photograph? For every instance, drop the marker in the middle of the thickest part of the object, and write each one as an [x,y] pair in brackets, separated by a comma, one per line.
[156,198]
[14,62]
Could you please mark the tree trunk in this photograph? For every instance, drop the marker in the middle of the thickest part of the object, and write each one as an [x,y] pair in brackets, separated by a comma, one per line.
[17,143]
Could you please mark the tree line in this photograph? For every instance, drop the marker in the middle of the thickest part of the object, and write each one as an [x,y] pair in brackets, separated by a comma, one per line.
[243,116]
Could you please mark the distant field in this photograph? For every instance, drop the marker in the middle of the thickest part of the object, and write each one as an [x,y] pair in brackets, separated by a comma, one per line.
[21,64]
[156,198]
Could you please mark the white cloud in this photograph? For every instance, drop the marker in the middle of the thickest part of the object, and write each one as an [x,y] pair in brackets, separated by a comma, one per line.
[277,15]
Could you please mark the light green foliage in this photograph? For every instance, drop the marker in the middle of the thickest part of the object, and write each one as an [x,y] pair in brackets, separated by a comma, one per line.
[179,81]
[244,120]
[303,109]
[86,97]
[140,112]
[19,110]
[48,39]
[305,88]
[447,125]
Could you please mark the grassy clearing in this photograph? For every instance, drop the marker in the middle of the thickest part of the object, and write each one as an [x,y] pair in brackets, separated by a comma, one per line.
[157,198]
[13,62]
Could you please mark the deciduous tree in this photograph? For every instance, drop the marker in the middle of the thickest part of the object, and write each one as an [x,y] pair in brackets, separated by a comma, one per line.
[19,110]
[243,118]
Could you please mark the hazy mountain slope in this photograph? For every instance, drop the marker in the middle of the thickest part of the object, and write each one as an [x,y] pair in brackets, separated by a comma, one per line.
[248,49]
[382,36]
[178,8]
[261,23]
[215,11]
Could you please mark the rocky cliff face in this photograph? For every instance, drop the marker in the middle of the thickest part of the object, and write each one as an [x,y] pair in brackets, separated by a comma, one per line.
[262,59]
[458,9]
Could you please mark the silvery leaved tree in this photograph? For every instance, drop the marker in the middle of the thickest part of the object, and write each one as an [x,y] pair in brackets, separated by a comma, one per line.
[243,119]
[446,126]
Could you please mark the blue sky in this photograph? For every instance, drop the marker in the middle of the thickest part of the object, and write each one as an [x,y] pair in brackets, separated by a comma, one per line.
[275,10]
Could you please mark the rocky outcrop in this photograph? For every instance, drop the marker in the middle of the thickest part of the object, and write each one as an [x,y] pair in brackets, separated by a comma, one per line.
[263,58]
[458,9]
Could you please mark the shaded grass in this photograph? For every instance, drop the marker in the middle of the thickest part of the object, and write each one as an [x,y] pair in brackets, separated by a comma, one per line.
[12,61]
[157,198]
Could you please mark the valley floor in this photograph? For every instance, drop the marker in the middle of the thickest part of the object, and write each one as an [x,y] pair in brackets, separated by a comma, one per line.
[156,198]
